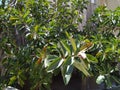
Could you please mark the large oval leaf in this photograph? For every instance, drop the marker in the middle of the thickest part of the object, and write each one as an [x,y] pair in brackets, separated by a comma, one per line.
[67,69]
[57,62]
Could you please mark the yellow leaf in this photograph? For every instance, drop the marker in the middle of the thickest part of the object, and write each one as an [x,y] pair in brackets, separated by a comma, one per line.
[87,45]
[13,18]
[36,28]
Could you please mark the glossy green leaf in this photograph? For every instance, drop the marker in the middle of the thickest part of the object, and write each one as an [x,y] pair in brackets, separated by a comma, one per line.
[72,42]
[67,69]
[49,59]
[92,59]
[61,50]
[56,63]
[66,47]
[12,80]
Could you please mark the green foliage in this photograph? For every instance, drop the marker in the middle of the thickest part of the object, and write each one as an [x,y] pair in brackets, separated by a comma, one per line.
[72,54]
[103,30]
[39,38]
[29,35]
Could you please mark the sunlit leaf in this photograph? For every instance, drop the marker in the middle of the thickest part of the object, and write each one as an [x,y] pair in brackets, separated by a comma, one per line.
[13,18]
[12,80]
[92,59]
[36,28]
[100,79]
[26,14]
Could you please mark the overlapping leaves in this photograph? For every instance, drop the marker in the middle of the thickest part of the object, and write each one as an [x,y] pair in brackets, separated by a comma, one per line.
[70,57]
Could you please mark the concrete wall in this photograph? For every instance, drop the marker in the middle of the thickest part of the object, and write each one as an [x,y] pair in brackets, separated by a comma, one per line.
[111,4]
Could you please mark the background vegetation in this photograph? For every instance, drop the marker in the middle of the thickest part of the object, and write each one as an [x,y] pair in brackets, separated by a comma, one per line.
[40,39]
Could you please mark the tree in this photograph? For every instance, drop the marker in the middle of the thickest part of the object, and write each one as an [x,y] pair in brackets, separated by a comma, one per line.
[30,30]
